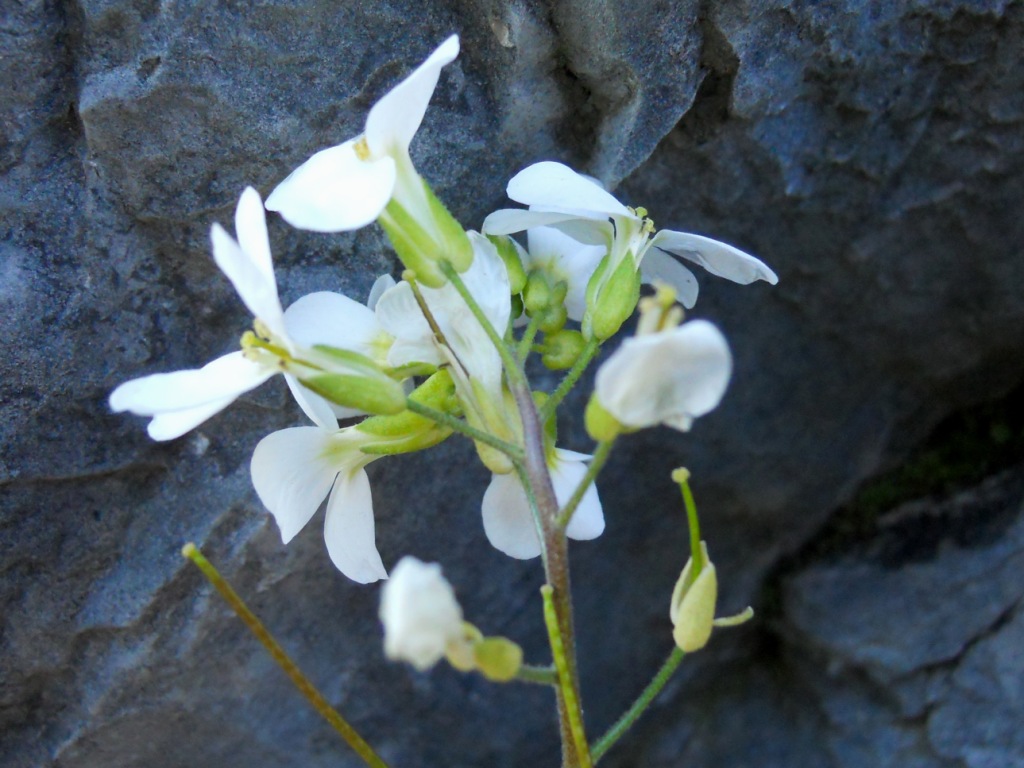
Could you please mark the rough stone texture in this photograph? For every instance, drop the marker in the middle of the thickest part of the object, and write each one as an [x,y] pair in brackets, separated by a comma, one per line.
[871,152]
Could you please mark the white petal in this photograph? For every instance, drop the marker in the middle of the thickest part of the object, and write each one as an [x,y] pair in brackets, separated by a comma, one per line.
[349,529]
[716,257]
[335,191]
[251,230]
[394,120]
[317,408]
[554,185]
[400,315]
[672,376]
[588,519]
[225,378]
[380,285]
[508,521]
[508,221]
[256,288]
[658,265]
[167,426]
[292,471]
[332,319]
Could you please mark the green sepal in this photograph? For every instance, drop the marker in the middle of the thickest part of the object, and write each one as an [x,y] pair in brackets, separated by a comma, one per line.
[407,431]
[562,349]
[498,658]
[379,394]
[509,253]
[413,244]
[410,370]
[537,294]
[600,424]
[615,301]
[457,249]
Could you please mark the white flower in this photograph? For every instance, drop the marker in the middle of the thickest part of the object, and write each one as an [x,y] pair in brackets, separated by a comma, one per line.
[558,196]
[182,400]
[348,186]
[669,377]
[420,614]
[294,469]
[509,522]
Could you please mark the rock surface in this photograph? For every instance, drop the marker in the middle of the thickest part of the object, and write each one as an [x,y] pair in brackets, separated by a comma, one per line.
[872,153]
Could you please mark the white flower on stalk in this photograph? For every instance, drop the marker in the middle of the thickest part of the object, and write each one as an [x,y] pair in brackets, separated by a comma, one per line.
[668,377]
[182,400]
[421,616]
[294,469]
[558,196]
[508,519]
[348,186]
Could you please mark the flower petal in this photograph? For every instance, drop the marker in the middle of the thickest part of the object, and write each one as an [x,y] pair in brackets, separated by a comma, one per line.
[292,471]
[349,529]
[658,265]
[167,426]
[335,190]
[380,285]
[716,257]
[319,410]
[508,221]
[671,376]
[333,319]
[256,289]
[556,186]
[225,378]
[588,519]
[394,120]
[251,231]
[400,315]
[508,521]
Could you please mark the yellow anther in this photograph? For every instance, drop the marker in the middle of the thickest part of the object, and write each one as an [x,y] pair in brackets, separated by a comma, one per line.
[362,149]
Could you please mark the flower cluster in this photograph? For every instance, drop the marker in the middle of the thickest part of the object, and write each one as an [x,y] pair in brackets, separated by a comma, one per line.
[442,351]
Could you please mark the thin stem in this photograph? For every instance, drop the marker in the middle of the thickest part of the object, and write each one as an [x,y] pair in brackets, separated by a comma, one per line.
[597,463]
[511,364]
[567,383]
[299,680]
[528,673]
[514,452]
[565,678]
[653,688]
[526,341]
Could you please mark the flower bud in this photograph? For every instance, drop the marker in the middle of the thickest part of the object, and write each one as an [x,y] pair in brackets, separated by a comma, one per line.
[562,349]
[508,249]
[352,380]
[613,303]
[420,614]
[693,604]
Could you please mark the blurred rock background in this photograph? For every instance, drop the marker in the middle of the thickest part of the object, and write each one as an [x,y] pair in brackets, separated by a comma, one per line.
[861,485]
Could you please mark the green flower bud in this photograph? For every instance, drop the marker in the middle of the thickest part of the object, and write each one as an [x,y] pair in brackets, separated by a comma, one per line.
[509,252]
[553,319]
[600,424]
[537,294]
[614,302]
[498,658]
[352,380]
[562,349]
[461,653]
[407,431]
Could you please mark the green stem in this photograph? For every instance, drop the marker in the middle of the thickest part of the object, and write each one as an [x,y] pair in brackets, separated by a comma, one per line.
[567,383]
[597,463]
[528,673]
[299,680]
[565,678]
[526,341]
[653,688]
[694,523]
[514,452]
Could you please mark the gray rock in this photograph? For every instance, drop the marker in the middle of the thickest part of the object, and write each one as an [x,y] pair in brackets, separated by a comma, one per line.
[871,154]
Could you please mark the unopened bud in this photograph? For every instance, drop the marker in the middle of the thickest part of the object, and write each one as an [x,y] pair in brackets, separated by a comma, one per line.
[508,249]
[614,302]
[600,424]
[537,294]
[562,349]
[498,658]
